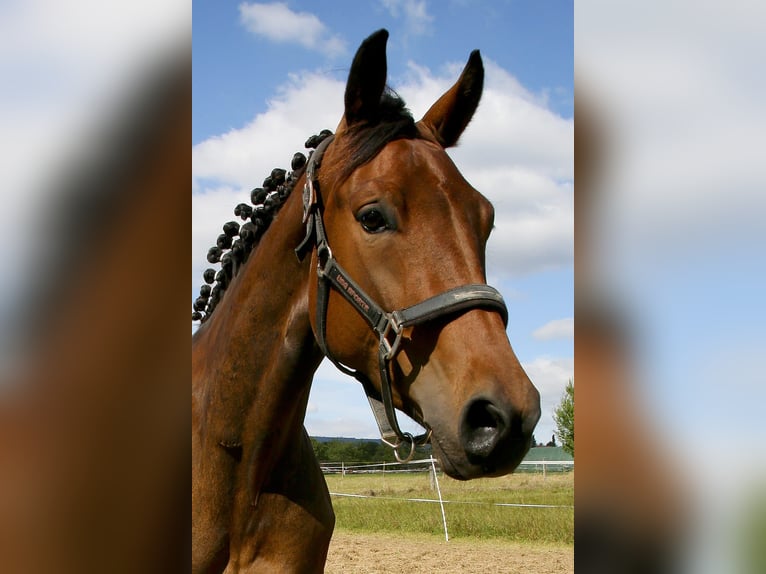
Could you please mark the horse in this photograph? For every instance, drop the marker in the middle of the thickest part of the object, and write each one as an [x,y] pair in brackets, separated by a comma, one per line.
[379,265]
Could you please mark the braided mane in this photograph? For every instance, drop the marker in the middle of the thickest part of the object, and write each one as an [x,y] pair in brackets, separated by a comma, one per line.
[234,245]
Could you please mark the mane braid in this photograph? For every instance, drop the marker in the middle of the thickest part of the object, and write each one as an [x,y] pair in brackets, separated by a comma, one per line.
[235,244]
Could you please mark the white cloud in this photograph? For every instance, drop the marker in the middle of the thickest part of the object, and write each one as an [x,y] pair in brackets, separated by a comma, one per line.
[550,376]
[415,12]
[307,104]
[556,329]
[525,242]
[278,23]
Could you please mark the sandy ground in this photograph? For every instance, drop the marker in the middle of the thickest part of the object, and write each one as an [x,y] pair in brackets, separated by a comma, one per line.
[384,554]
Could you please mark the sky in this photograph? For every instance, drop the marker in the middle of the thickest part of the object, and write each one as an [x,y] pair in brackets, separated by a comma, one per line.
[268,75]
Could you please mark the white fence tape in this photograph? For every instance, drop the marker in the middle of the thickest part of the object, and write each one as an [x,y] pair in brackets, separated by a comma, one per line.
[513,504]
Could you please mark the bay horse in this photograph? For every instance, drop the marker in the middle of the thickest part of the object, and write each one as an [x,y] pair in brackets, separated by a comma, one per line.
[389,283]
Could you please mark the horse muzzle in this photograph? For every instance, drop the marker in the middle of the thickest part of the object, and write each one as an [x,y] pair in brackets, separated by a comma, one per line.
[491,440]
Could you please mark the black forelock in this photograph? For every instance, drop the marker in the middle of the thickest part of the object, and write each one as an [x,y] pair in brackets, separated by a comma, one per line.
[365,140]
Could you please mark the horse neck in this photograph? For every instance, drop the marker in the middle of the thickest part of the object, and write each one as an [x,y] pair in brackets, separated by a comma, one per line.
[253,360]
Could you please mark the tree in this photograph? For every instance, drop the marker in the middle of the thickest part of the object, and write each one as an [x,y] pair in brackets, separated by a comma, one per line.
[563,416]
[320,449]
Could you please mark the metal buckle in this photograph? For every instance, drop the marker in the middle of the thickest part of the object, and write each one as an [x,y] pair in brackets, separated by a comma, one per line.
[407,438]
[324,258]
[309,198]
[413,443]
[409,456]
[391,348]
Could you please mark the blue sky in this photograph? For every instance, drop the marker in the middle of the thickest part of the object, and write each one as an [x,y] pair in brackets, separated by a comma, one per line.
[268,75]
[234,68]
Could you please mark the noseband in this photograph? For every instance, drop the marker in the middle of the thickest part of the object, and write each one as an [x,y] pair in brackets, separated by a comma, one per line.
[388,326]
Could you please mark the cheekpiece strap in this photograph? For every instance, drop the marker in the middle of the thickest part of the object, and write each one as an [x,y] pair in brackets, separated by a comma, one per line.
[311,188]
[312,198]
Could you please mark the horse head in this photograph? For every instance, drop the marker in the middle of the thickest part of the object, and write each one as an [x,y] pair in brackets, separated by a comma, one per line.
[407,228]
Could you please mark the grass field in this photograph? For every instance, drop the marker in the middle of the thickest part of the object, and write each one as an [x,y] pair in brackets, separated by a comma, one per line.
[471,514]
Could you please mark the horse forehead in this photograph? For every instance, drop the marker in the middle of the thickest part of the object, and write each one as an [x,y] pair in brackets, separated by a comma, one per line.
[415,154]
[416,164]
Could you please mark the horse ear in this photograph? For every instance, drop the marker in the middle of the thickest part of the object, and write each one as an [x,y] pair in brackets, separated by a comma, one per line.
[449,116]
[367,79]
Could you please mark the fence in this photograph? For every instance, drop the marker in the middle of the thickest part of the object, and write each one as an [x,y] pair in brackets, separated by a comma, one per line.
[344,468]
[430,466]
[426,465]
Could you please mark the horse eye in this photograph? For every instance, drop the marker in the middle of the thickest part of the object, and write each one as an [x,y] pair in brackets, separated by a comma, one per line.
[373,220]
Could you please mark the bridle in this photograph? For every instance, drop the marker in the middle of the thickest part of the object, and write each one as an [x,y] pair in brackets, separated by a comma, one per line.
[388,326]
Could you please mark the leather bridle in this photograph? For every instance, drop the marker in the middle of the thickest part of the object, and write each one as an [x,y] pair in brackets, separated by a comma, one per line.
[388,326]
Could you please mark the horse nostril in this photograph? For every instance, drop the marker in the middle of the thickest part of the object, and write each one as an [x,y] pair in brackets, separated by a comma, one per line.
[483,426]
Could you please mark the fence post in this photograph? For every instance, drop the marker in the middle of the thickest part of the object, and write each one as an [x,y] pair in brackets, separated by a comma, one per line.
[441,502]
[432,477]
